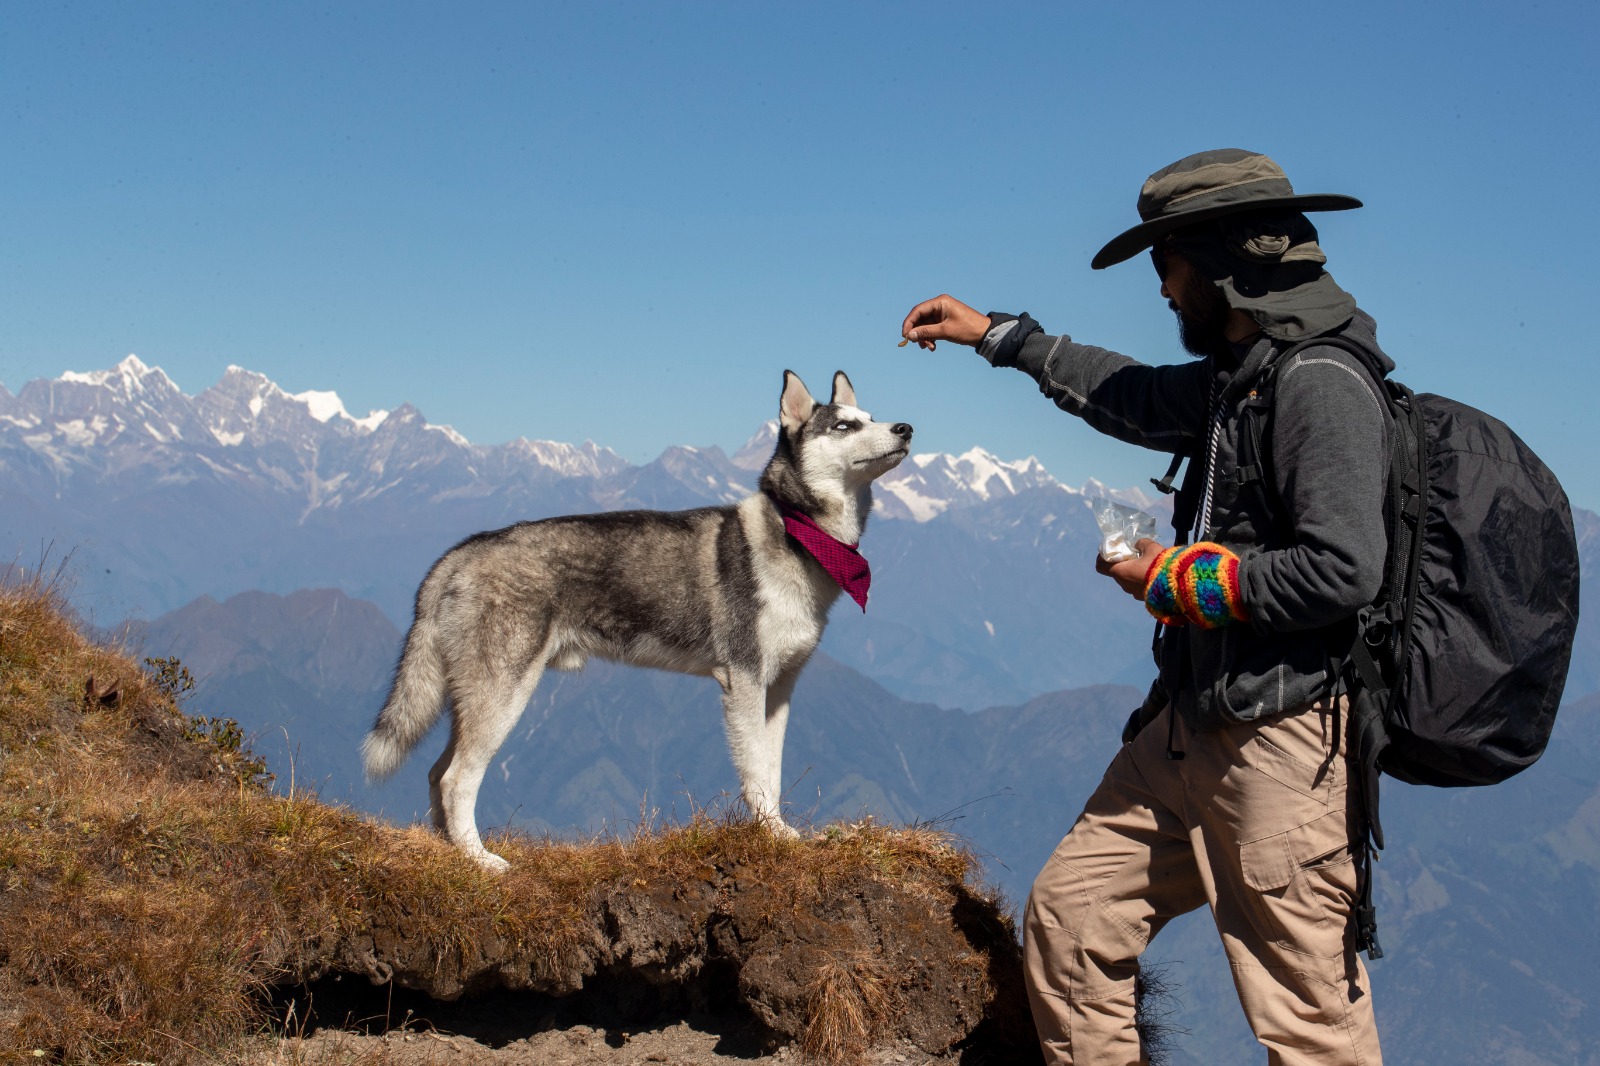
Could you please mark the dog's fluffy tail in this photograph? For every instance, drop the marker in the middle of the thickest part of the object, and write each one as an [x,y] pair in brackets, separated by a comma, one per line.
[415,702]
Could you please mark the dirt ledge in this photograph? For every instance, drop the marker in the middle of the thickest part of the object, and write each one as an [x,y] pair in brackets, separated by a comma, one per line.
[923,960]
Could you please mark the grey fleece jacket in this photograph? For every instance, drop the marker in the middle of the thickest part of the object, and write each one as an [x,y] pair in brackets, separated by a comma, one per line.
[1306,564]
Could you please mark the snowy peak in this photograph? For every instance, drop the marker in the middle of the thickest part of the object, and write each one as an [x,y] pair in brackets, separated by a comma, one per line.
[61,420]
[929,484]
[325,406]
[569,460]
[707,470]
[128,380]
[754,453]
[249,405]
[130,385]
[987,476]
[404,415]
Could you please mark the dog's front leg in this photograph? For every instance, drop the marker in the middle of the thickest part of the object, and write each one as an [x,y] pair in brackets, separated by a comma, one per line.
[744,713]
[777,721]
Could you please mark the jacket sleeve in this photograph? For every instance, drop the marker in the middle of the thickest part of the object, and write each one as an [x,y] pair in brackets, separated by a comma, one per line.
[1329,455]
[1159,407]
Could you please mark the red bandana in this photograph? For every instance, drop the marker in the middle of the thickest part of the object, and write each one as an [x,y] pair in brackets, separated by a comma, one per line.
[842,561]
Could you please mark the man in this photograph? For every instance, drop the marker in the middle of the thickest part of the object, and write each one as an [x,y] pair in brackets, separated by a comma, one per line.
[1233,787]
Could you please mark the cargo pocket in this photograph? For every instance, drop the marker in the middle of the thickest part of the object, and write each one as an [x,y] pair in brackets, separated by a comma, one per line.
[1313,782]
[1302,885]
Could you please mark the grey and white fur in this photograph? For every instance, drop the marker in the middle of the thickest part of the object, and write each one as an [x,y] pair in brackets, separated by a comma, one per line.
[721,592]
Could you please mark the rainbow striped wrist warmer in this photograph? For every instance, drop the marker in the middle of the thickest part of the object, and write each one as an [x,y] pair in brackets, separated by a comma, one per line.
[1196,583]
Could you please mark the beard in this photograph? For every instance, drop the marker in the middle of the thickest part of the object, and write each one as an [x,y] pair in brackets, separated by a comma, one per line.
[1202,330]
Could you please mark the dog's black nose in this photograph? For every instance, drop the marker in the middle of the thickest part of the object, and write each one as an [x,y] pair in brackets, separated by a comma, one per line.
[901,429]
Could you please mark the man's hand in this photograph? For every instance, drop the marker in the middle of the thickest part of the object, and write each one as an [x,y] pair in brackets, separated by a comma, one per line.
[944,318]
[1130,573]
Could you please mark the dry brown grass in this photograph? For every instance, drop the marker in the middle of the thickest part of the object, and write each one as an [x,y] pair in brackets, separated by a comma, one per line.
[151,887]
[850,998]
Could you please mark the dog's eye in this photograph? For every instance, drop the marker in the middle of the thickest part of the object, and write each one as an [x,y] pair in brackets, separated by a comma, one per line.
[843,427]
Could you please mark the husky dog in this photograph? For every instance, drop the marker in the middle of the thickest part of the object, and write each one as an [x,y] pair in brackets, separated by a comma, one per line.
[724,592]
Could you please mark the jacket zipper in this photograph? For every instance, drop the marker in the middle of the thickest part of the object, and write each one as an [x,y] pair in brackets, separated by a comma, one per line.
[1211,465]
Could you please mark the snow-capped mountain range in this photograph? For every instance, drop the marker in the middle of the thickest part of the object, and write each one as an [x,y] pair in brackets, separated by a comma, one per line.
[245,428]
[981,565]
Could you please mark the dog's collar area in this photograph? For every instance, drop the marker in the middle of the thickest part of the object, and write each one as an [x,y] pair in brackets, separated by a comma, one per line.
[843,562]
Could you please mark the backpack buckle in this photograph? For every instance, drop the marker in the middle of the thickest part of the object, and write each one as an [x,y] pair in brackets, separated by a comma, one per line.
[1373,625]
[1164,484]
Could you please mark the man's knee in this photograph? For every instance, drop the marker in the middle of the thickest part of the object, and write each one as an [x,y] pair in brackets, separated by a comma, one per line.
[1075,942]
[1060,905]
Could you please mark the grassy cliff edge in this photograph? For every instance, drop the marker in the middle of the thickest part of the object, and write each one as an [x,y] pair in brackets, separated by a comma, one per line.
[155,894]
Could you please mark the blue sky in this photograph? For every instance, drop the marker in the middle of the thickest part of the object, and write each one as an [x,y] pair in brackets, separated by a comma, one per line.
[621,222]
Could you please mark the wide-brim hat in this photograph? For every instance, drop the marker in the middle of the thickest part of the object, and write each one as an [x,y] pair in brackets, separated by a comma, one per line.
[1207,185]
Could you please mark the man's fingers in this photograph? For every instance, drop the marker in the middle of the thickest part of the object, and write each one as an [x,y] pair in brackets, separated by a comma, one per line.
[944,318]
[931,320]
[929,331]
[926,312]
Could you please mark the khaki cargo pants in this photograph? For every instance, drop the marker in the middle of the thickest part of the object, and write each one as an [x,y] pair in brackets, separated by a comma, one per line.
[1253,822]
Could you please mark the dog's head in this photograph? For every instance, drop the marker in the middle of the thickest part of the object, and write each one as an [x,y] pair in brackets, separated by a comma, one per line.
[835,447]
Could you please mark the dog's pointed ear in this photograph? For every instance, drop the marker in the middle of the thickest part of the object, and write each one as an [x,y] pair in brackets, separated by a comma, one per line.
[843,391]
[795,405]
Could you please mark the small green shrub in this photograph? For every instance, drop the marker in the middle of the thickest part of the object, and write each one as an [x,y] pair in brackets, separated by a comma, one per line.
[177,683]
[171,677]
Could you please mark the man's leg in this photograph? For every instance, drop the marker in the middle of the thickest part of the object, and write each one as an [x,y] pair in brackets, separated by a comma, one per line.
[1125,870]
[1273,844]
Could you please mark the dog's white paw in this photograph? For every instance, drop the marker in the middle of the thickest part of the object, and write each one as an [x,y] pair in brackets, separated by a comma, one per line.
[490,862]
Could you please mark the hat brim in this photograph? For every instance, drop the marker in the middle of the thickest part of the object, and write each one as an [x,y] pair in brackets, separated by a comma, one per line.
[1126,245]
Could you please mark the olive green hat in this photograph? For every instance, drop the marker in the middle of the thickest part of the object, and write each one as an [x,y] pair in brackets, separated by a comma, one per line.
[1208,185]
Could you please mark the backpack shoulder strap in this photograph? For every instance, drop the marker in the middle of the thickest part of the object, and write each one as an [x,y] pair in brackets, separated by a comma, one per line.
[1254,460]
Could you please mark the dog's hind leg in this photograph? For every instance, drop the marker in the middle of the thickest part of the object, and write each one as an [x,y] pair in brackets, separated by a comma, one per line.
[485,713]
[744,713]
[435,775]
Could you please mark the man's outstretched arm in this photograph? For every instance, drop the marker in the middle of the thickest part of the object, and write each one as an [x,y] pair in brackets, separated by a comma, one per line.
[1160,407]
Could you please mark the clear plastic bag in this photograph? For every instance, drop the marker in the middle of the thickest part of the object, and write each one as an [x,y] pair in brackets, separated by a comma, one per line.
[1121,527]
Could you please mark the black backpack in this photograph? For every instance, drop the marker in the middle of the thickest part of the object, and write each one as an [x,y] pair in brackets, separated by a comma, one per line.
[1456,669]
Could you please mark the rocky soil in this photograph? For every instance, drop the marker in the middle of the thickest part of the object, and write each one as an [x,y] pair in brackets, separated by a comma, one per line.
[729,965]
[699,1041]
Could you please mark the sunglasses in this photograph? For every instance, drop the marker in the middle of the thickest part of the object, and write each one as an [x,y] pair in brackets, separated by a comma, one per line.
[1158,256]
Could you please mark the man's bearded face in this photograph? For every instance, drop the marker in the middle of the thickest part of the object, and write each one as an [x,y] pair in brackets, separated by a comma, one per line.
[1201,308]
[1202,312]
